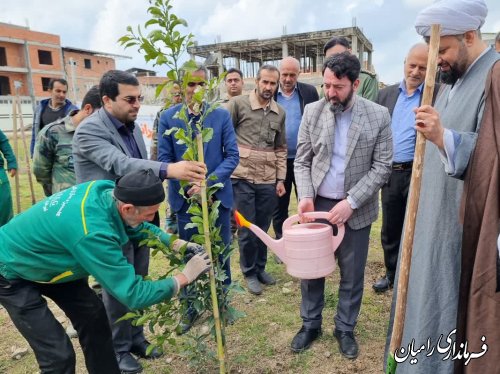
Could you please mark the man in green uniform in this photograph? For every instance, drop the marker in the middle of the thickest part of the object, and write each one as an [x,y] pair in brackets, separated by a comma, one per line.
[6,212]
[74,233]
[53,155]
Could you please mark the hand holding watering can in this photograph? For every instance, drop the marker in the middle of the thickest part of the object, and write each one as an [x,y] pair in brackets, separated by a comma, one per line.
[339,214]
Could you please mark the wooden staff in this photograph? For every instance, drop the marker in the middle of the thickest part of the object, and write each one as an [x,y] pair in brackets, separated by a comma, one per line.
[26,152]
[16,152]
[208,248]
[412,208]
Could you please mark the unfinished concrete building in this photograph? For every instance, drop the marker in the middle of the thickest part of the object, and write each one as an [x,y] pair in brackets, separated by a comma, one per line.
[249,55]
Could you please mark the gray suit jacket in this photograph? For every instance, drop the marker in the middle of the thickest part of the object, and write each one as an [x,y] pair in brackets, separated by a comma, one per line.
[368,155]
[100,153]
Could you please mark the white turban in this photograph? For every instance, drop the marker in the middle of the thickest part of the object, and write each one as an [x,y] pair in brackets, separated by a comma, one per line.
[455,16]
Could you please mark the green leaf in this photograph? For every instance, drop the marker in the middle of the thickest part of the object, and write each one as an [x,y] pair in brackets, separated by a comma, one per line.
[129,315]
[194,209]
[170,131]
[207,134]
[172,75]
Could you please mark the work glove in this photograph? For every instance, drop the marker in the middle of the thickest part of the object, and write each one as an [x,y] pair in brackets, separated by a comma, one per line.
[198,265]
[191,248]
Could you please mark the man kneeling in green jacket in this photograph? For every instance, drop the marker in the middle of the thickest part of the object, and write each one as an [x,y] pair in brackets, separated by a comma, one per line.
[50,249]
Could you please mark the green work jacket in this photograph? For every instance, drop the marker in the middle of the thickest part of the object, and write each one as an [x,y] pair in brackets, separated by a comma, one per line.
[77,232]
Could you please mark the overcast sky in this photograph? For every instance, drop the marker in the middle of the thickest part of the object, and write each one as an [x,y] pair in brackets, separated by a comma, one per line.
[97,24]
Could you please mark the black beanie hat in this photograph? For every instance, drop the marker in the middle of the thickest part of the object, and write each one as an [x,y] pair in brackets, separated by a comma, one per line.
[140,188]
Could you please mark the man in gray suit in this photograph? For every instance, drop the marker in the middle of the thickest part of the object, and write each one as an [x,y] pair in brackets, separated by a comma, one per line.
[107,145]
[343,158]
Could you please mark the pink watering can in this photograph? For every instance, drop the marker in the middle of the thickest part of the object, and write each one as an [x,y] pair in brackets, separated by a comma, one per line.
[306,249]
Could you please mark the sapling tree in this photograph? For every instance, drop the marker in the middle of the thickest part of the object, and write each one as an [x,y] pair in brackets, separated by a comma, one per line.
[162,44]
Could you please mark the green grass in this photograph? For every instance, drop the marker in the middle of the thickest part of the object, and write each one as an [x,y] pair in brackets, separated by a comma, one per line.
[258,343]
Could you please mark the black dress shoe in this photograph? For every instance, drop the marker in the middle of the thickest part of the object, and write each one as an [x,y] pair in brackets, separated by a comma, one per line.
[140,351]
[382,285]
[127,363]
[347,343]
[266,278]
[304,339]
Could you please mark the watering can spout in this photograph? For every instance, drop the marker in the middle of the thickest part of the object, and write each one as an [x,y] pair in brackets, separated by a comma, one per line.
[277,246]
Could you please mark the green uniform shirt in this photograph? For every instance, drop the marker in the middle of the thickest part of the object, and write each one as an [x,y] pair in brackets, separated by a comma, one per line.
[78,232]
[368,85]
[53,156]
[6,152]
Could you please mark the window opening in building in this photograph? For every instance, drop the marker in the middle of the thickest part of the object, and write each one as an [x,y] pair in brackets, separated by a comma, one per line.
[44,57]
[45,83]
[4,86]
[88,63]
[3,57]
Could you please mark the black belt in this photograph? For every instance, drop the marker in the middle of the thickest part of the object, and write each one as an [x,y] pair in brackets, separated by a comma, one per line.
[398,166]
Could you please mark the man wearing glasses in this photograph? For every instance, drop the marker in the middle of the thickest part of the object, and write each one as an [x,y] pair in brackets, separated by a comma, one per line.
[107,145]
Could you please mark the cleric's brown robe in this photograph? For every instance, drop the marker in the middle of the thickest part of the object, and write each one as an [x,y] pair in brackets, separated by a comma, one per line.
[479,302]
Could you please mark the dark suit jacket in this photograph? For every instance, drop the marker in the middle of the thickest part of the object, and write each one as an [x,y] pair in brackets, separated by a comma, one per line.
[221,152]
[307,94]
[388,96]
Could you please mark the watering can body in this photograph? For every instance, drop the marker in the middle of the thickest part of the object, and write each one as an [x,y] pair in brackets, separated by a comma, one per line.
[306,249]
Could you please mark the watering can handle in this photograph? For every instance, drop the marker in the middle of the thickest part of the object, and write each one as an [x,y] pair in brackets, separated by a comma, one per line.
[295,218]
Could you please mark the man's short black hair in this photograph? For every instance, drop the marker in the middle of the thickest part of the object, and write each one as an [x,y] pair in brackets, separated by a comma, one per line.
[336,40]
[343,65]
[108,85]
[60,80]
[268,67]
[234,70]
[93,98]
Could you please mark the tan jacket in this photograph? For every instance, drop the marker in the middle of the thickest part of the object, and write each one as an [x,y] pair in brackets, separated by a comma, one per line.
[261,137]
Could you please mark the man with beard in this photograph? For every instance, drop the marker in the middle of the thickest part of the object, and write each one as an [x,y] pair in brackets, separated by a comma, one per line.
[451,126]
[258,179]
[107,145]
[293,96]
[344,156]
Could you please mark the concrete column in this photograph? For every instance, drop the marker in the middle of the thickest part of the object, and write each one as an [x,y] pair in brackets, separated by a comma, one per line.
[30,76]
[319,59]
[370,67]
[362,55]
[237,63]
[220,62]
[284,49]
[354,45]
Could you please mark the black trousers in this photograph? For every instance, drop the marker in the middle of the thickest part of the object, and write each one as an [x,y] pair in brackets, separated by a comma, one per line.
[351,257]
[256,202]
[125,335]
[53,350]
[281,212]
[394,196]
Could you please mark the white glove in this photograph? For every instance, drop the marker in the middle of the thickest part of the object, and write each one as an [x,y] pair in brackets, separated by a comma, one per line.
[198,265]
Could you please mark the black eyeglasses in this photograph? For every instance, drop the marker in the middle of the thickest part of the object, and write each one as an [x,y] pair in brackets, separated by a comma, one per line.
[192,84]
[133,99]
